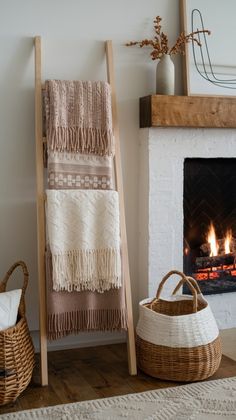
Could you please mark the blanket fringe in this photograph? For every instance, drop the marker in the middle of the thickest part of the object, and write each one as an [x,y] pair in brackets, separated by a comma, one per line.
[63,324]
[81,139]
[95,270]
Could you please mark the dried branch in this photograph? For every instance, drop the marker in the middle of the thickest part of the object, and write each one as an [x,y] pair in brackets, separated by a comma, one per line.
[178,47]
[160,42]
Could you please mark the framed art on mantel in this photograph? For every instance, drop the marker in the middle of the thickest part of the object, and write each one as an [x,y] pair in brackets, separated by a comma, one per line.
[210,61]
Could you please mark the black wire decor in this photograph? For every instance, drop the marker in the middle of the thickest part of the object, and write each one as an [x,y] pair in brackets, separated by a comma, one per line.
[203,53]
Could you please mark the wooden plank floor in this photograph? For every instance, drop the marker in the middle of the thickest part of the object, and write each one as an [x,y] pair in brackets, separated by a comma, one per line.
[90,373]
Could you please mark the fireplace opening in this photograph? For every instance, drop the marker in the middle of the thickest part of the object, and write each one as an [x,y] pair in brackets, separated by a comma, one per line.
[210,223]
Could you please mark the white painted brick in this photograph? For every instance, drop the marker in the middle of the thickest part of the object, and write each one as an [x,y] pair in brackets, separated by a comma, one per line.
[166,149]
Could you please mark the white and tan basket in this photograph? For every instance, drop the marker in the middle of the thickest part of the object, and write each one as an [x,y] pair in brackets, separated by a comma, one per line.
[178,338]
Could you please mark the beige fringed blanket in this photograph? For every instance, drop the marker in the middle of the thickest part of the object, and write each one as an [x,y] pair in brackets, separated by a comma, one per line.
[79,117]
[84,239]
[73,312]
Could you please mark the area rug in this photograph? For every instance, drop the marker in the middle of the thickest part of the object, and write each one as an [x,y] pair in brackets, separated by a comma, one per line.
[213,400]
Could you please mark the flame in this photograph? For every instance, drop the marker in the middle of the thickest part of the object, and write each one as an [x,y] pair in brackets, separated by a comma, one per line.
[211,238]
[186,251]
[228,239]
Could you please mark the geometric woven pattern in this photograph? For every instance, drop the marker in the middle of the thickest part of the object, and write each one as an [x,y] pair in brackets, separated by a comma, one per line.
[79,171]
[57,180]
[200,401]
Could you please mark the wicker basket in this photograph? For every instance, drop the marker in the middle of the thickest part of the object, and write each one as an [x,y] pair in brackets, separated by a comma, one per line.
[16,348]
[177,338]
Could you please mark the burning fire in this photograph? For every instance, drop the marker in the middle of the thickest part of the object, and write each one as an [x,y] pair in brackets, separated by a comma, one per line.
[211,239]
[228,240]
[219,258]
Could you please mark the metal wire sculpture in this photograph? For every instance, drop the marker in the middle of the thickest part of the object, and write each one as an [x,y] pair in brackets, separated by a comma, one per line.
[205,58]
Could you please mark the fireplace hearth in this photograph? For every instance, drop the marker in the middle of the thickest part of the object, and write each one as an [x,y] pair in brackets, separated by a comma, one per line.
[210,223]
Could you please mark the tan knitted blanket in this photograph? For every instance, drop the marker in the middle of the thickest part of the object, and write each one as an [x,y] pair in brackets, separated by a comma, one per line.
[74,312]
[79,117]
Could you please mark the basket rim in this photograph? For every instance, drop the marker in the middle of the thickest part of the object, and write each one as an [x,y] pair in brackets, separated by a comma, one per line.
[15,327]
[189,297]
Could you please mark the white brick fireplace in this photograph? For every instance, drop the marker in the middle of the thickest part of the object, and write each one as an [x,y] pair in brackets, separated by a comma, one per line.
[162,154]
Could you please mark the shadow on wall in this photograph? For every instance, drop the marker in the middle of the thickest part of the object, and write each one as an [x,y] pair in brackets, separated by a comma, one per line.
[17,110]
[17,168]
[20,245]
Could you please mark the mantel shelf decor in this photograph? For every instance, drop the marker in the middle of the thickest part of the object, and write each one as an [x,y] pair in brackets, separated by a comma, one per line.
[163,52]
[187,111]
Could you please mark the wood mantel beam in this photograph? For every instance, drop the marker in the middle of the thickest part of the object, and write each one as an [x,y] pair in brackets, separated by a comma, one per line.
[187,111]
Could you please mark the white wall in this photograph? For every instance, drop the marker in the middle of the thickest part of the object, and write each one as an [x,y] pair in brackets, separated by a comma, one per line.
[72,33]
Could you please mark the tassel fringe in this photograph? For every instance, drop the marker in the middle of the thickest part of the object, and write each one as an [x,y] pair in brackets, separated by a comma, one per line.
[94,270]
[61,325]
[80,139]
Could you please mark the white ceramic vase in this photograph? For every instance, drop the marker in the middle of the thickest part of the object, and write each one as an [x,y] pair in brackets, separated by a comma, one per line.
[165,76]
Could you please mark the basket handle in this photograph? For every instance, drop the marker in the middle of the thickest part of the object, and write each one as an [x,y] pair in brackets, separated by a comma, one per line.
[192,281]
[184,279]
[3,283]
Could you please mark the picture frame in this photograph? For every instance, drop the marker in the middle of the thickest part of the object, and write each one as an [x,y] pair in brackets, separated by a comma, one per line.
[209,69]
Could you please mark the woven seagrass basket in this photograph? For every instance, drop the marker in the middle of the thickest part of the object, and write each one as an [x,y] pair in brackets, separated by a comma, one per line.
[16,348]
[177,338]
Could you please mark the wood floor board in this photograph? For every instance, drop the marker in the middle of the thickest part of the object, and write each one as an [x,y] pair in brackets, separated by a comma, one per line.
[68,383]
[91,373]
[103,378]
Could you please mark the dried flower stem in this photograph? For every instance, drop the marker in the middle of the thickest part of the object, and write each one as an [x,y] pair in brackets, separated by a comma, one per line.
[160,41]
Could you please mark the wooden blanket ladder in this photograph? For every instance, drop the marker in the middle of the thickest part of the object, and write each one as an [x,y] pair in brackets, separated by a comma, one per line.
[41,239]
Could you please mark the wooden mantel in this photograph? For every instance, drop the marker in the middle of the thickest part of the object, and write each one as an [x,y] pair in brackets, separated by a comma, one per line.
[187,111]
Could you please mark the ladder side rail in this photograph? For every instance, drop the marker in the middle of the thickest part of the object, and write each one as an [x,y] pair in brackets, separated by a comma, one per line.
[119,185]
[41,231]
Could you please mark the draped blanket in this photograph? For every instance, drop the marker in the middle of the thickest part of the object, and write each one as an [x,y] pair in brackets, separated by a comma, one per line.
[79,171]
[74,312]
[78,116]
[84,239]
[85,290]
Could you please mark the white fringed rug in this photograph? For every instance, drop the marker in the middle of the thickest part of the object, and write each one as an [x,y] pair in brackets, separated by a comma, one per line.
[213,400]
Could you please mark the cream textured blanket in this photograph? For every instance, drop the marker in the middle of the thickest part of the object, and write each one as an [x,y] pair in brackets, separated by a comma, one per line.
[78,116]
[84,239]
